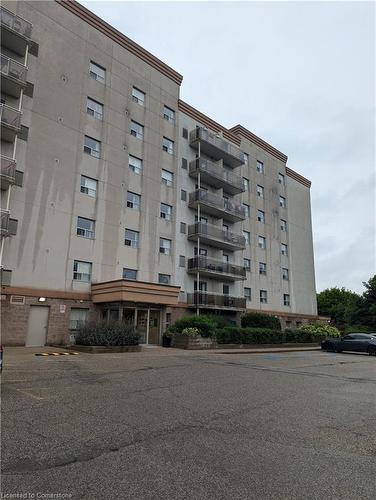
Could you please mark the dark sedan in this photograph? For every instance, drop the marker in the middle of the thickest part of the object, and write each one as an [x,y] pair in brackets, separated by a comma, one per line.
[359,342]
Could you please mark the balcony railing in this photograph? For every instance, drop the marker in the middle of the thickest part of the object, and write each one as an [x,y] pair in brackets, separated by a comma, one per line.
[8,172]
[216,268]
[215,301]
[10,119]
[5,277]
[13,76]
[216,236]
[4,228]
[215,175]
[15,23]
[217,206]
[216,147]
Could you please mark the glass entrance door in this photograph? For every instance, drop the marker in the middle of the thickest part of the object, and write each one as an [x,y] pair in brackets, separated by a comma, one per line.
[154,324]
[142,325]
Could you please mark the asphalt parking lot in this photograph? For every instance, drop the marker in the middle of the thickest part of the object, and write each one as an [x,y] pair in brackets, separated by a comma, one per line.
[169,424]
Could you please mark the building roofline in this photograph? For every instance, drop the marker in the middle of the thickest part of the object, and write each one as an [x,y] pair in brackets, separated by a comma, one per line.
[242,131]
[294,175]
[118,37]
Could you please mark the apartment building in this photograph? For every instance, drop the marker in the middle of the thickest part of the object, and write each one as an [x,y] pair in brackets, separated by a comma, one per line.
[121,201]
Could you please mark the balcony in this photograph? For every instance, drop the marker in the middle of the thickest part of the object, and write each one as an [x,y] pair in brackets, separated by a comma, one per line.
[215,301]
[15,31]
[8,172]
[10,119]
[215,175]
[216,147]
[217,206]
[13,76]
[4,229]
[216,236]
[5,277]
[216,269]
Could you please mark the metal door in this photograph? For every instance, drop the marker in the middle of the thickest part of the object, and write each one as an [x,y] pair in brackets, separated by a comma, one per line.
[37,326]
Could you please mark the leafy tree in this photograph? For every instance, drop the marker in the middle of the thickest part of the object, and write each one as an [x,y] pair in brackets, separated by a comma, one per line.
[365,311]
[338,303]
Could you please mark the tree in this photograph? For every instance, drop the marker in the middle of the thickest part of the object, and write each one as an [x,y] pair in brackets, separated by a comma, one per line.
[338,303]
[365,311]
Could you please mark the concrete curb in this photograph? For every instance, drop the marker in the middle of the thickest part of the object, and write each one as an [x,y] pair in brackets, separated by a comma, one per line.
[265,351]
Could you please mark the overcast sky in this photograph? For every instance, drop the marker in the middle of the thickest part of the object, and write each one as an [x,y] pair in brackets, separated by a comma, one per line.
[301,75]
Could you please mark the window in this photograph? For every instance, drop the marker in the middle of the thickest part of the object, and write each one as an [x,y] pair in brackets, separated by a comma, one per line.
[285,273]
[168,114]
[262,242]
[77,318]
[183,195]
[246,158]
[137,130]
[262,268]
[138,96]
[97,72]
[225,227]
[281,179]
[82,271]
[85,227]
[261,216]
[166,212]
[246,184]
[168,145]
[167,177]
[286,299]
[247,293]
[246,210]
[247,236]
[185,133]
[284,250]
[260,167]
[135,164]
[283,225]
[131,238]
[247,264]
[164,279]
[260,191]
[164,246]
[282,201]
[203,252]
[202,286]
[226,289]
[225,257]
[184,163]
[94,108]
[182,260]
[133,200]
[129,274]
[183,228]
[92,147]
[168,320]
[89,186]
[263,296]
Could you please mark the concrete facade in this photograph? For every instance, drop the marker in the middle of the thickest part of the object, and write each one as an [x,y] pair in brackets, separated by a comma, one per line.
[42,237]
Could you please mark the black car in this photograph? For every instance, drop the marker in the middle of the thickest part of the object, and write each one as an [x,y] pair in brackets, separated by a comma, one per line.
[359,342]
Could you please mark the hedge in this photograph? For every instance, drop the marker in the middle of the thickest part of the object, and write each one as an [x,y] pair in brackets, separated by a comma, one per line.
[260,320]
[205,325]
[235,335]
[113,333]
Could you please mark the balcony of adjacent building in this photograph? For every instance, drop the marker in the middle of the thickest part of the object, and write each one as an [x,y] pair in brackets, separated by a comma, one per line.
[214,174]
[212,268]
[215,146]
[8,172]
[4,227]
[15,31]
[217,206]
[216,236]
[10,119]
[13,76]
[206,300]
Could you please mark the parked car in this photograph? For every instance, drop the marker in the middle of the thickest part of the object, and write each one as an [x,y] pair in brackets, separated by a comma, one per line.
[359,342]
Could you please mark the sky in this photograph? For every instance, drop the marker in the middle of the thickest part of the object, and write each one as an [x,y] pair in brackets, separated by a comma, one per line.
[301,75]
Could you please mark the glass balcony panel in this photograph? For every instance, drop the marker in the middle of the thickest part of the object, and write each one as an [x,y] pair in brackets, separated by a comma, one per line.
[216,268]
[215,301]
[215,175]
[4,229]
[217,206]
[10,119]
[215,146]
[8,172]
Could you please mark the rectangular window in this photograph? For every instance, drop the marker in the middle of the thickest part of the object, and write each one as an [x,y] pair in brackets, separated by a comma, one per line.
[168,146]
[203,252]
[283,225]
[135,164]
[184,163]
[82,271]
[94,108]
[246,210]
[262,268]
[225,257]
[131,238]
[260,191]
[164,279]
[97,72]
[185,133]
[166,212]
[92,147]
[202,286]
[168,114]
[247,264]
[181,260]
[282,201]
[129,274]
[261,216]
[247,236]
[133,200]
[245,158]
[226,289]
[246,184]
[89,186]
[165,246]
[77,318]
[85,227]
[183,195]
[138,96]
[260,167]
[285,273]
[284,249]
[183,228]
[167,177]
[286,299]
[137,130]
[263,296]
[262,242]
[247,293]
[281,179]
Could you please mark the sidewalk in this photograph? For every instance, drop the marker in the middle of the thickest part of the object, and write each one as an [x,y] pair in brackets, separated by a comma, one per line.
[261,350]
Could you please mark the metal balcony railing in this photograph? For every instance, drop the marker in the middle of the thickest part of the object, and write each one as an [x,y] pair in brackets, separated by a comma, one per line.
[215,301]
[216,236]
[215,175]
[216,146]
[10,117]
[15,23]
[217,206]
[217,268]
[14,69]
[8,171]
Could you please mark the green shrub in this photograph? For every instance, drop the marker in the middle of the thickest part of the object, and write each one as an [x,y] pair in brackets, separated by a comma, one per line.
[260,320]
[113,333]
[235,335]
[358,329]
[219,321]
[204,324]
[321,330]
[190,332]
